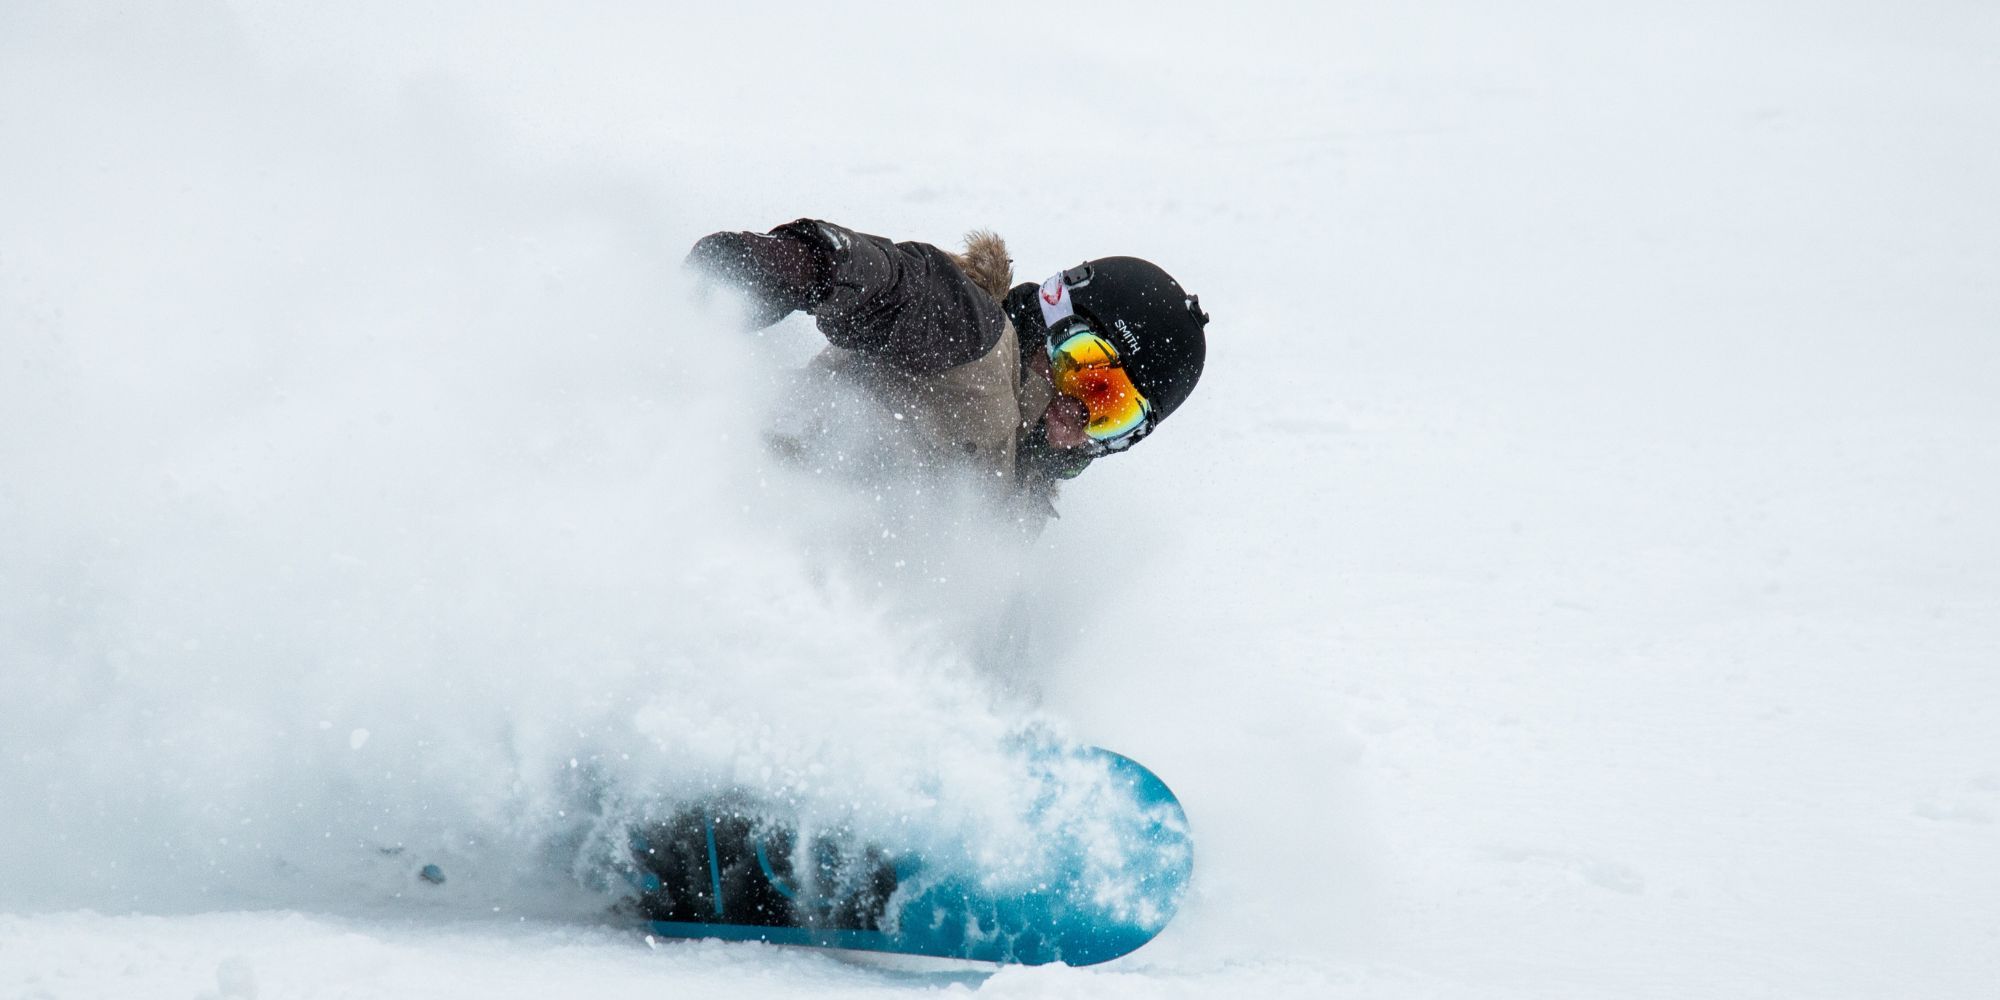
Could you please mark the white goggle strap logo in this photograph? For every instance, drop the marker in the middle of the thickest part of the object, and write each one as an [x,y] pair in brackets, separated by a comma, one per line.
[1054,298]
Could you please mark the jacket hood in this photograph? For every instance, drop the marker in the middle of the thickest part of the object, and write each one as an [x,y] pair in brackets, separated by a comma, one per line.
[985,261]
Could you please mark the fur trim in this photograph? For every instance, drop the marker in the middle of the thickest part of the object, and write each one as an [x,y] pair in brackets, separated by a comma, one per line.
[985,261]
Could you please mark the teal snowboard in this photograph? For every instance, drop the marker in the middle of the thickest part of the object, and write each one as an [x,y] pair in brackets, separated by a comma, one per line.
[1107,868]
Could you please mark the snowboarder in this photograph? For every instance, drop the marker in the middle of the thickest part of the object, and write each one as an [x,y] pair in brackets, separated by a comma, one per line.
[1022,385]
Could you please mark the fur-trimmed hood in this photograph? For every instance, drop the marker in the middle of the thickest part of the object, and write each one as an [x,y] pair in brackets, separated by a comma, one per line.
[985,261]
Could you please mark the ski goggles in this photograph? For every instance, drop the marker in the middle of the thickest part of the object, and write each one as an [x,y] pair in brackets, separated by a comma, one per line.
[1085,366]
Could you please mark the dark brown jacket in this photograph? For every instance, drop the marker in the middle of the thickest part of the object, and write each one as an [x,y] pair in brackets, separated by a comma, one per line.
[921,332]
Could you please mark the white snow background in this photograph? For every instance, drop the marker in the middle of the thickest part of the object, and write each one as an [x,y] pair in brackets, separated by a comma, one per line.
[1576,575]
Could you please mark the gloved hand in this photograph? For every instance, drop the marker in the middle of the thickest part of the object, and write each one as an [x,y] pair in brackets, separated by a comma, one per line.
[776,274]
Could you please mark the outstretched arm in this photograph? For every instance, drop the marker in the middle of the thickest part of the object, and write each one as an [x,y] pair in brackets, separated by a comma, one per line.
[905,303]
[777,273]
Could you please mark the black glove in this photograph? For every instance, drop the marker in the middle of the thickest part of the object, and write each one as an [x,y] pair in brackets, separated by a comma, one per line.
[778,274]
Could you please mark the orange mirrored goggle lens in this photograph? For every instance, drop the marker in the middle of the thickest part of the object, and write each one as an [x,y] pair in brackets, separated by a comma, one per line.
[1085,367]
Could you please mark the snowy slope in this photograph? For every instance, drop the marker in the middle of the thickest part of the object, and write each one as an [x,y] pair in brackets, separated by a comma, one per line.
[1570,579]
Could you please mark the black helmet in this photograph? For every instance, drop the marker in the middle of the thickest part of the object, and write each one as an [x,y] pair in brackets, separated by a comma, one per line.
[1156,325]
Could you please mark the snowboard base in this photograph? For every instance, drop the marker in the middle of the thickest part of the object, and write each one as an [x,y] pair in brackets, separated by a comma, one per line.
[1114,858]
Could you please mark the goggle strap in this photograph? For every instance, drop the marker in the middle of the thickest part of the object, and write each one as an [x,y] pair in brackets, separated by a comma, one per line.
[1056,304]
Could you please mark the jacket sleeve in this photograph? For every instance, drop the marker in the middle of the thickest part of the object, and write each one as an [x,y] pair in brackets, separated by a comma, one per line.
[905,303]
[777,275]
